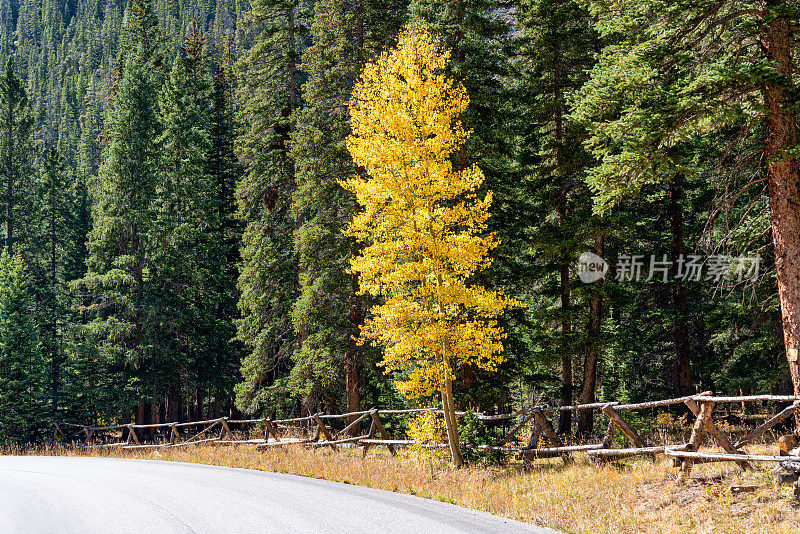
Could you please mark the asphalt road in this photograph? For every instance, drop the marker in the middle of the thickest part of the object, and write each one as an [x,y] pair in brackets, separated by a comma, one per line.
[40,494]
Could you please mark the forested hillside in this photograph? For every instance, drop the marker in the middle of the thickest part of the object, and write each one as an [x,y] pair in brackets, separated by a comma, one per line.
[174,217]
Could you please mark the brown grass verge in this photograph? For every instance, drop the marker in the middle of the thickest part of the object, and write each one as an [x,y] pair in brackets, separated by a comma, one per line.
[632,496]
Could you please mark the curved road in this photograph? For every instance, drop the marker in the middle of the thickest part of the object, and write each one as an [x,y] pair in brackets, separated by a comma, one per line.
[44,494]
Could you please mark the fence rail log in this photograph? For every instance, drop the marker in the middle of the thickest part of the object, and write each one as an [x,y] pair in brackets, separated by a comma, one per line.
[727,457]
[591,406]
[623,425]
[558,451]
[652,404]
[255,441]
[339,441]
[764,427]
[388,442]
[288,441]
[608,454]
[750,398]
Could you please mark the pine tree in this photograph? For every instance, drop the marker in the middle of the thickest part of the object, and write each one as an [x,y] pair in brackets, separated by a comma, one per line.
[225,171]
[16,128]
[55,243]
[21,365]
[682,72]
[554,54]
[268,94]
[123,193]
[345,35]
[185,208]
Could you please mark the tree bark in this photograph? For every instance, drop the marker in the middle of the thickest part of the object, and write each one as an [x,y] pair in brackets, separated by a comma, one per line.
[450,421]
[586,417]
[777,43]
[683,379]
[565,417]
[352,384]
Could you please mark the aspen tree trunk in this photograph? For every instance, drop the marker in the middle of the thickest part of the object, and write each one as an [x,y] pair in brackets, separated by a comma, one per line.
[777,44]
[450,421]
[352,383]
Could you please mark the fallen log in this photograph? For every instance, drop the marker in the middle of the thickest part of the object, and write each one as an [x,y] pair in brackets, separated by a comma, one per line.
[398,442]
[561,450]
[727,457]
[607,454]
[283,442]
[256,441]
[761,429]
[339,441]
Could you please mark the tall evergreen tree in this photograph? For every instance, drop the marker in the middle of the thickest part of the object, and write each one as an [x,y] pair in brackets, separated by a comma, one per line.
[225,172]
[119,248]
[22,409]
[346,35]
[269,95]
[55,243]
[16,128]
[186,213]
[684,71]
[555,50]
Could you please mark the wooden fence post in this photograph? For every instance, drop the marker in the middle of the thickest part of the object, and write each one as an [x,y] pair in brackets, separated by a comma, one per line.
[176,436]
[623,425]
[696,439]
[516,429]
[544,426]
[58,431]
[270,429]
[533,442]
[132,434]
[369,436]
[712,429]
[608,438]
[225,429]
[384,435]
[322,428]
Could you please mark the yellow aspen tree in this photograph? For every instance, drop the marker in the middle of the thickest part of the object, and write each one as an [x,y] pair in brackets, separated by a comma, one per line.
[423,225]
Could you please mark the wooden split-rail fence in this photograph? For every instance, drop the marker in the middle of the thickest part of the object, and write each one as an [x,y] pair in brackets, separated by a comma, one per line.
[299,430]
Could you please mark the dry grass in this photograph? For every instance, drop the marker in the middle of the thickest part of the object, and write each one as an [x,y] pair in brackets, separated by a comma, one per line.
[634,496]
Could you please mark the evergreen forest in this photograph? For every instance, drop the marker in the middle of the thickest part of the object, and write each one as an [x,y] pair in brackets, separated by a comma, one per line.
[174,216]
